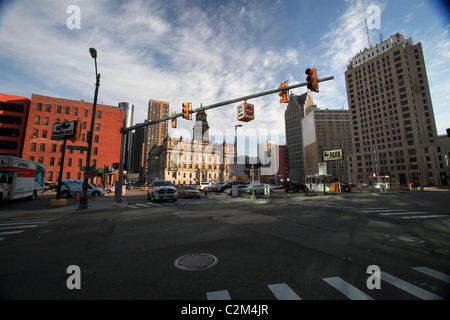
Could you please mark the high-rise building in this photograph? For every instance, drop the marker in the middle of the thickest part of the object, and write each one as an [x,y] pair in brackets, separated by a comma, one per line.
[295,112]
[155,133]
[392,121]
[327,131]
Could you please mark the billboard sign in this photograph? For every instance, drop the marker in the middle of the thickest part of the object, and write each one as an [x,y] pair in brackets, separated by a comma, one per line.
[64,130]
[332,155]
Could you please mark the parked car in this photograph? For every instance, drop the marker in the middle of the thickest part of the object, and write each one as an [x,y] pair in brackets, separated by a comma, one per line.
[346,187]
[108,188]
[216,187]
[259,189]
[295,187]
[242,188]
[162,190]
[188,192]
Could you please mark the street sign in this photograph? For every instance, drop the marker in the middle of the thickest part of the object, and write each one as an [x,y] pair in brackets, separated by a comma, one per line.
[64,130]
[80,148]
[237,169]
[88,169]
[246,112]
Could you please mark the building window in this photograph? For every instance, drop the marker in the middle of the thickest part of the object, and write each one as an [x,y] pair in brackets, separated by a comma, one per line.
[39,107]
[85,113]
[42,147]
[58,109]
[97,126]
[33,147]
[99,114]
[37,120]
[48,108]
[75,111]
[46,121]
[66,110]
[44,133]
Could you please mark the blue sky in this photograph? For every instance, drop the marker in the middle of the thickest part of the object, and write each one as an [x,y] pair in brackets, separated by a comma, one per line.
[209,51]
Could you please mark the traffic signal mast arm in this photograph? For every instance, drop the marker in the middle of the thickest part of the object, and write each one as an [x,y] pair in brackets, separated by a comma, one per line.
[220,104]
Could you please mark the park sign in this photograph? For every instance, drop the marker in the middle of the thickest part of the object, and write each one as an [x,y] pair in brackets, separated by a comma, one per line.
[332,155]
[64,130]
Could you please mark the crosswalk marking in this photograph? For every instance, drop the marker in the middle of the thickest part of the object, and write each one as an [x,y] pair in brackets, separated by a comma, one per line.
[9,227]
[395,213]
[19,226]
[218,295]
[10,232]
[425,217]
[283,292]
[433,273]
[408,287]
[347,289]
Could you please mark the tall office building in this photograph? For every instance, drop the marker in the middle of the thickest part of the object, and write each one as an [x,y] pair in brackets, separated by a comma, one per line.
[155,133]
[326,130]
[295,112]
[392,121]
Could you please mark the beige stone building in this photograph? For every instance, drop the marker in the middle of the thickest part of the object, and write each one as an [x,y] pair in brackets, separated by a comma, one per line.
[391,113]
[191,161]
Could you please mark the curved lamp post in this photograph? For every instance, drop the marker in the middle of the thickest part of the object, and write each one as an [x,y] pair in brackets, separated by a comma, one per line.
[83,200]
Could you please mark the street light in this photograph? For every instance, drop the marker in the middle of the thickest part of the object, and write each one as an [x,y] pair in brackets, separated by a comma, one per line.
[83,200]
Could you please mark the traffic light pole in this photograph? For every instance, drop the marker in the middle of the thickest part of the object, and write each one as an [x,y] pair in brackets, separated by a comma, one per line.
[125,130]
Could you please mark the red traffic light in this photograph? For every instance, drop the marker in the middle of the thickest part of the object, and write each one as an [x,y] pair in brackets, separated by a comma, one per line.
[311,78]
[283,94]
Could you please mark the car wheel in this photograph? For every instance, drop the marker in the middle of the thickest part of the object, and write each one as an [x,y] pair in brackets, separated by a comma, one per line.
[95,194]
[153,199]
[65,194]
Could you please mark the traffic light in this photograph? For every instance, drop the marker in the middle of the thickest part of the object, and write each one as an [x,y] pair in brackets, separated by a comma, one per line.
[312,79]
[186,110]
[283,94]
[174,121]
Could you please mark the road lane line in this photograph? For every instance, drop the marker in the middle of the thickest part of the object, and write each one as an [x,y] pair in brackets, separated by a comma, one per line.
[347,289]
[218,295]
[433,273]
[408,287]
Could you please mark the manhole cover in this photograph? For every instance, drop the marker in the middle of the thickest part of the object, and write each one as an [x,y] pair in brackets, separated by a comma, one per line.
[196,262]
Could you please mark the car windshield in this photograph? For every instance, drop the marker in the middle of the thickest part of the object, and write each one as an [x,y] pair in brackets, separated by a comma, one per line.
[162,184]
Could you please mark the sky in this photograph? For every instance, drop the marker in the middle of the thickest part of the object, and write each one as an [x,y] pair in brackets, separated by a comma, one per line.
[207,51]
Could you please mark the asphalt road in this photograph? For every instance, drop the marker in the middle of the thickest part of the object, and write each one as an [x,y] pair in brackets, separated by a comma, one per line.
[310,248]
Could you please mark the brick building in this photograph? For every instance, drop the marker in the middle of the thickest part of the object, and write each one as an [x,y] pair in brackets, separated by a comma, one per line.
[45,111]
[13,120]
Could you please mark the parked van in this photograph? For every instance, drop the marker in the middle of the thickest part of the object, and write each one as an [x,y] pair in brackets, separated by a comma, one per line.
[70,187]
